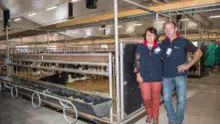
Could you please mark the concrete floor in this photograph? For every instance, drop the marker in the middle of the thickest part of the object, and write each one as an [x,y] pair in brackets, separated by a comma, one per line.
[20,111]
[203,106]
[203,102]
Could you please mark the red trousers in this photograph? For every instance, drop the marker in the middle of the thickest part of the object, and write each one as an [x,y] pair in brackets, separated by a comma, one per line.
[151,97]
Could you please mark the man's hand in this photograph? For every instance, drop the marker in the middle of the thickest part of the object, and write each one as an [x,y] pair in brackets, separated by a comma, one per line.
[197,55]
[183,67]
[139,78]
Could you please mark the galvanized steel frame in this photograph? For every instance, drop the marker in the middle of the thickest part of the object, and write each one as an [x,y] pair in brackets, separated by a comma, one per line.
[109,74]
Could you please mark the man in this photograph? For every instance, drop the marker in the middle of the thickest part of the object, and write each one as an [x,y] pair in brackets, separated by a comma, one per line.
[175,70]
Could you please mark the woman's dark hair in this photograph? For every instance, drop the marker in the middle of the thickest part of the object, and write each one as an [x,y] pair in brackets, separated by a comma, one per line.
[153,31]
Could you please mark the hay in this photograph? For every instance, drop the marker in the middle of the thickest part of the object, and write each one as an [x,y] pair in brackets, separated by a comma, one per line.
[91,85]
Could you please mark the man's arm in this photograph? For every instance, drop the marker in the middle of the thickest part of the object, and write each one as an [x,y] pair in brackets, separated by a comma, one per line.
[197,55]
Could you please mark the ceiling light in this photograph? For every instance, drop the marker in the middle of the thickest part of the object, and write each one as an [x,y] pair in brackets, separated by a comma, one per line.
[54,7]
[217,16]
[17,19]
[102,28]
[130,29]
[74,1]
[75,32]
[137,24]
[88,30]
[184,19]
[160,22]
[63,33]
[119,26]
[32,14]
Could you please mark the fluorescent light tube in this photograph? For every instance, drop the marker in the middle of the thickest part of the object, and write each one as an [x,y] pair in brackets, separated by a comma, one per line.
[75,32]
[137,24]
[102,28]
[184,19]
[32,14]
[74,1]
[17,19]
[119,26]
[160,22]
[54,7]
[217,16]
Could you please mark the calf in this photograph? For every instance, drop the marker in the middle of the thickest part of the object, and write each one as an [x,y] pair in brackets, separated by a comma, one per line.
[58,78]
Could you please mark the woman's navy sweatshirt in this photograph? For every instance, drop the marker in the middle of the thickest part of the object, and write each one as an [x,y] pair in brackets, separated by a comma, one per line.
[148,62]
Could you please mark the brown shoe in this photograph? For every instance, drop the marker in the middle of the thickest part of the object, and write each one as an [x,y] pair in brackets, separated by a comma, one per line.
[156,121]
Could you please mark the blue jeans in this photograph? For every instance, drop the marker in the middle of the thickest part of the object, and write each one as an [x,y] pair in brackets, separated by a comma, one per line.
[180,83]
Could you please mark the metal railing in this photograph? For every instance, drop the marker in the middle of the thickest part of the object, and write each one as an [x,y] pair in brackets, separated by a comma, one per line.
[22,68]
[63,102]
[61,49]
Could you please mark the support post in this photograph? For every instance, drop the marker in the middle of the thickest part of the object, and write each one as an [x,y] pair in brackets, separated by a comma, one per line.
[117,60]
[157,21]
[21,40]
[122,79]
[48,35]
[110,84]
[7,53]
[65,42]
[185,27]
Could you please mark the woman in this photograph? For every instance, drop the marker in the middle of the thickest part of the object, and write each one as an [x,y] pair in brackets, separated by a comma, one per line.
[149,67]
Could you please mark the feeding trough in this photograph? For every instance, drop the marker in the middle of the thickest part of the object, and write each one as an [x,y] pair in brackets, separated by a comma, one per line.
[84,102]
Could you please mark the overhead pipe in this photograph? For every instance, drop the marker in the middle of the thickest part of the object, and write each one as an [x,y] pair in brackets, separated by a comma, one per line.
[196,11]
[145,8]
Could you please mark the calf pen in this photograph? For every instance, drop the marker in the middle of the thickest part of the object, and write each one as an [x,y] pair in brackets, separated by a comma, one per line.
[92,104]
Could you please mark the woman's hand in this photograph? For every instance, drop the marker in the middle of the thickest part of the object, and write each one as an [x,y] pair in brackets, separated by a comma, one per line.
[139,78]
